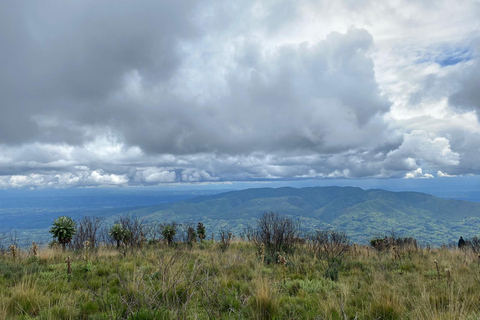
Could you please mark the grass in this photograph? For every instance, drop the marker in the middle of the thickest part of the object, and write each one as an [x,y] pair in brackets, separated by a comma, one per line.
[203,282]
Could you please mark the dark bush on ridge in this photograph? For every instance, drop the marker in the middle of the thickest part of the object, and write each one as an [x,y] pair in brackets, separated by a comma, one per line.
[387,243]
[277,232]
[473,243]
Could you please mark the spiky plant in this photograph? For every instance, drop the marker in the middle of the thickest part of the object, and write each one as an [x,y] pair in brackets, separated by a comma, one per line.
[117,233]
[201,231]
[168,232]
[63,228]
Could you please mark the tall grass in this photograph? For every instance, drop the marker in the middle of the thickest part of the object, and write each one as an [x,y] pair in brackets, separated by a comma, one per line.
[202,281]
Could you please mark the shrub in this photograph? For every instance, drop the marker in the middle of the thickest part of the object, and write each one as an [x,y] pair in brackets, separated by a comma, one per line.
[473,243]
[330,246]
[169,231]
[63,228]
[87,230]
[201,232]
[225,240]
[401,243]
[277,232]
[117,234]
[191,235]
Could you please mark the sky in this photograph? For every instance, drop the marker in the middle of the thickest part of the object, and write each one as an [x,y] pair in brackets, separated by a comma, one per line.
[146,93]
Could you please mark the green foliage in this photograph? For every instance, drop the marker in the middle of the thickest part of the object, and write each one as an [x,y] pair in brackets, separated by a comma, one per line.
[120,234]
[201,231]
[63,229]
[169,231]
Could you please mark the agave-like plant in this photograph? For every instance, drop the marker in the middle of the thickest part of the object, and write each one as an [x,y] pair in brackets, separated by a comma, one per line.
[63,228]
[116,233]
[168,232]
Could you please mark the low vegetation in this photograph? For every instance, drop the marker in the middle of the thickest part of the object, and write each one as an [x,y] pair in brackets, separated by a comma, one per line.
[322,276]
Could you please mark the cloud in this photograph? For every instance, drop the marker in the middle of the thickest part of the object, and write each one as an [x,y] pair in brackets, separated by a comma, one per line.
[418,145]
[467,95]
[152,175]
[440,174]
[418,174]
[152,92]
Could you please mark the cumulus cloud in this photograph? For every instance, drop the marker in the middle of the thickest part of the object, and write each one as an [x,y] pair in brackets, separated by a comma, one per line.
[418,174]
[441,174]
[150,92]
[152,175]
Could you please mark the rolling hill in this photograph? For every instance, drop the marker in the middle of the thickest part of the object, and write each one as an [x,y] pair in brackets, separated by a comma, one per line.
[362,214]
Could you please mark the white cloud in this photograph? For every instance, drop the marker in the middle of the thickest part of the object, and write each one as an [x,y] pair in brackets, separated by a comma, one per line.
[440,174]
[418,174]
[152,175]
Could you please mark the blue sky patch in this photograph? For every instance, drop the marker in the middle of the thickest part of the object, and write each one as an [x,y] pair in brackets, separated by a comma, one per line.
[446,55]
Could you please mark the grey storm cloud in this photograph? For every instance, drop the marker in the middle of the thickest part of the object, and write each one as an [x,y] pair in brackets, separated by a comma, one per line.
[467,95]
[63,60]
[151,92]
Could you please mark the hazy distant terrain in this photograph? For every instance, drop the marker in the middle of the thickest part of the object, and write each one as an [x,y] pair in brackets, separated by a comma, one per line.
[362,214]
[31,212]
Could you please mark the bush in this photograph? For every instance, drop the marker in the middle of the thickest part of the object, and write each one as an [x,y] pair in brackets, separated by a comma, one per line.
[330,246]
[277,232]
[401,243]
[473,243]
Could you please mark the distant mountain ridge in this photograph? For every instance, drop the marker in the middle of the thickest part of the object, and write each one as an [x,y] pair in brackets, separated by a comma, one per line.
[362,214]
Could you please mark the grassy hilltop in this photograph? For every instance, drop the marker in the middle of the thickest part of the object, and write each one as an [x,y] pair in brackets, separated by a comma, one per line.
[201,281]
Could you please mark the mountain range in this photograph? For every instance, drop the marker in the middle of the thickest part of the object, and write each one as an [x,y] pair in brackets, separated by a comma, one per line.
[361,214]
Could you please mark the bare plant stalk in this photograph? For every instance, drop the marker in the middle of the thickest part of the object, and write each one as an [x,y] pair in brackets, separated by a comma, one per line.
[438,269]
[13,250]
[68,261]
[283,261]
[262,252]
[449,276]
[34,248]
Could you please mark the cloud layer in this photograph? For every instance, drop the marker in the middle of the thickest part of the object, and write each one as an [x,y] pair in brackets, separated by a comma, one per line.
[151,92]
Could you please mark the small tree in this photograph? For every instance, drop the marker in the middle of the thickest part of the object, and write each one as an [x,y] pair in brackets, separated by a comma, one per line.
[169,231]
[116,233]
[63,229]
[191,235]
[201,231]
